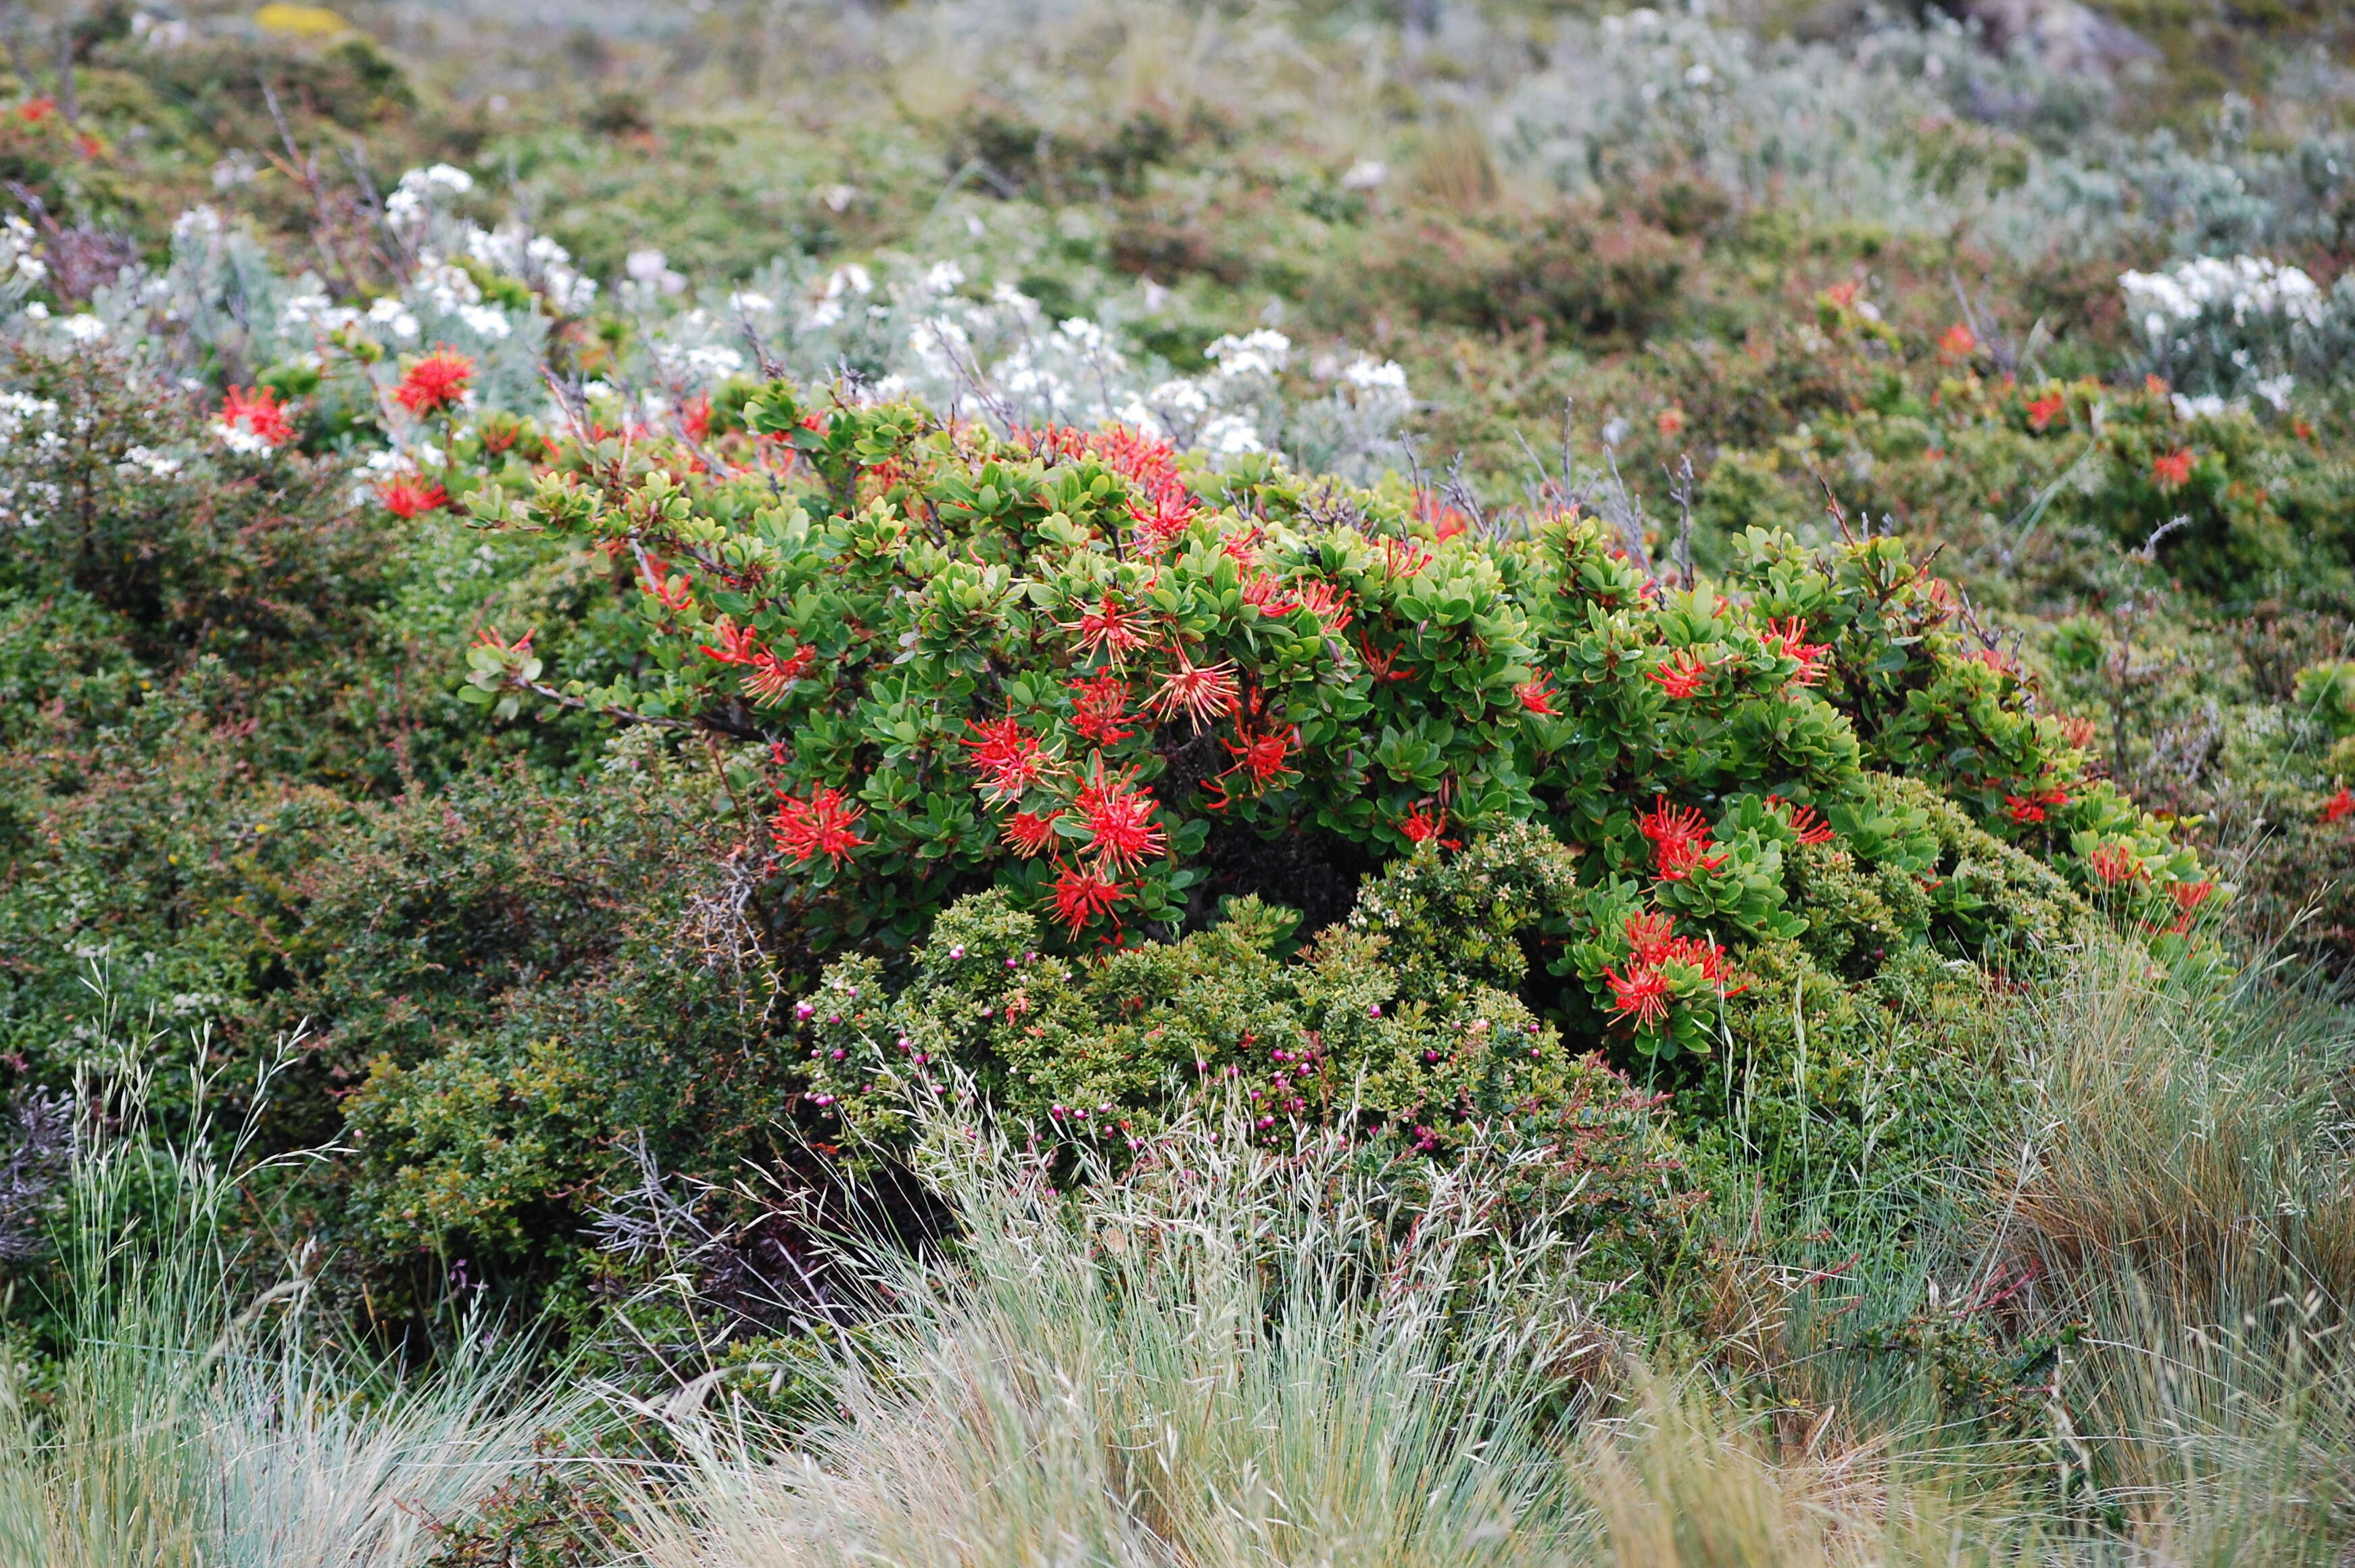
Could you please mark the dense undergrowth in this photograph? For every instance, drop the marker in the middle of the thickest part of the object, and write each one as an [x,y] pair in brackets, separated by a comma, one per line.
[1176,785]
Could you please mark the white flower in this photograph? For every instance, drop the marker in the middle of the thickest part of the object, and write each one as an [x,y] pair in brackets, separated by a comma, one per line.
[83,328]
[392,314]
[751,304]
[2206,407]
[944,277]
[1230,436]
[32,268]
[714,361]
[241,440]
[1365,174]
[484,321]
[140,459]
[1699,75]
[1262,353]
[2276,390]
[1389,375]
[37,310]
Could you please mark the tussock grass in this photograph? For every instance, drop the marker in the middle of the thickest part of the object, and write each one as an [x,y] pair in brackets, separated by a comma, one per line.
[201,1417]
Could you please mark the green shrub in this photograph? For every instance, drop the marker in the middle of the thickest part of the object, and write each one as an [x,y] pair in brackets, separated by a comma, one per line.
[1048,665]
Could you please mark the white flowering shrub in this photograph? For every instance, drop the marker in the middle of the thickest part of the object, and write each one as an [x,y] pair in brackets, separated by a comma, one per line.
[2226,331]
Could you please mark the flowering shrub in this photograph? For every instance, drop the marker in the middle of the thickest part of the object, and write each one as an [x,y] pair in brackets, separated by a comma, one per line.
[2225,330]
[1119,689]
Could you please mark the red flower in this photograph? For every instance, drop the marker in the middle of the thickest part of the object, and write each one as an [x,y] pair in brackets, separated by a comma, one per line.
[695,417]
[2046,409]
[1648,938]
[1697,952]
[33,110]
[405,498]
[672,593]
[2032,807]
[1671,421]
[1080,896]
[1681,676]
[1100,704]
[1403,557]
[1270,595]
[1422,824]
[2114,863]
[1122,834]
[258,413]
[772,677]
[1843,296]
[1028,832]
[1108,630]
[737,645]
[1007,756]
[822,825]
[1264,757]
[1241,547]
[1811,828]
[2173,469]
[1789,638]
[1958,344]
[436,381]
[2188,897]
[1536,695]
[1445,521]
[1382,666]
[1205,692]
[2339,805]
[1325,601]
[1680,840]
[1640,996]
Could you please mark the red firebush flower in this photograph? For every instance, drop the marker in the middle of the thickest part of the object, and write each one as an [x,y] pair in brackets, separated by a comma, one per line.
[1680,840]
[1648,938]
[1671,421]
[1241,547]
[2114,863]
[2188,897]
[1082,895]
[1639,996]
[1681,676]
[406,497]
[1204,692]
[822,825]
[1789,638]
[1270,595]
[773,676]
[671,592]
[1100,703]
[258,413]
[2034,806]
[1008,757]
[2339,805]
[737,645]
[1107,630]
[1424,822]
[1264,757]
[1536,695]
[2046,409]
[434,382]
[1381,666]
[1403,557]
[1028,832]
[1122,834]
[33,110]
[1958,343]
[2172,470]
[1811,828]
[1327,603]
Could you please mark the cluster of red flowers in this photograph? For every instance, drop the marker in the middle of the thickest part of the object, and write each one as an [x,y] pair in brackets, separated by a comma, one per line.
[1109,630]
[406,497]
[258,413]
[1789,638]
[1098,705]
[1029,832]
[1082,895]
[2034,805]
[1203,692]
[2172,469]
[2341,804]
[1145,461]
[2188,897]
[1680,840]
[671,592]
[1537,697]
[2114,863]
[2046,409]
[1264,757]
[1958,344]
[1008,758]
[1122,834]
[1681,676]
[1642,994]
[1811,828]
[822,825]
[1423,822]
[435,383]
